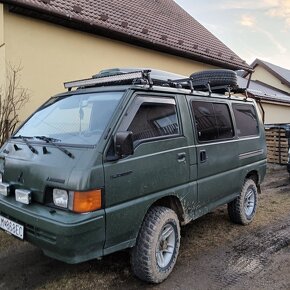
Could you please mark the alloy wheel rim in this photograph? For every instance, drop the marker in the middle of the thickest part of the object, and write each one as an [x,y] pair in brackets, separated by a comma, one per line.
[249,202]
[165,246]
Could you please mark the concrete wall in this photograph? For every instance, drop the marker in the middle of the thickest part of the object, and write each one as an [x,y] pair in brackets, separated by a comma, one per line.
[276,114]
[264,76]
[2,50]
[51,54]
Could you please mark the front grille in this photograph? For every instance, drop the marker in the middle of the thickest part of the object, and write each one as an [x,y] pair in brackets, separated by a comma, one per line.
[32,231]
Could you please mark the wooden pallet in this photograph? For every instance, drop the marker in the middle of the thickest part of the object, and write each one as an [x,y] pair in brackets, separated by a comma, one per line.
[277,146]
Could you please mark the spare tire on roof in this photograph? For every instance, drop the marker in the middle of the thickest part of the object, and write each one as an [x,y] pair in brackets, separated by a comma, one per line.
[216,77]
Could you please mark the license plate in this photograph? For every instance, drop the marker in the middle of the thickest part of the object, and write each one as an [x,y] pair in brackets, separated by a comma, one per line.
[11,227]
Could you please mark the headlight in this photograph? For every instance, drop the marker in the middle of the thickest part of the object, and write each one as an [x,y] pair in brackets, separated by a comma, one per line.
[78,201]
[60,198]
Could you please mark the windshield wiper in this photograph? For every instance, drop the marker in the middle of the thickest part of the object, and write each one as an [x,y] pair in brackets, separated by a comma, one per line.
[47,139]
[25,140]
[51,141]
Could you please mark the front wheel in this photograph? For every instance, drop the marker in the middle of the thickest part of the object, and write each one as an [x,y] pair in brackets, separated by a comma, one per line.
[243,209]
[157,247]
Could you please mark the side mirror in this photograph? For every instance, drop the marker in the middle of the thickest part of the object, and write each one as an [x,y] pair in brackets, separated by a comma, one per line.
[124,144]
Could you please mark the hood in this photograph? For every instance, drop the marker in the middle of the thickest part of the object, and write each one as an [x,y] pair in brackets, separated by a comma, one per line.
[50,168]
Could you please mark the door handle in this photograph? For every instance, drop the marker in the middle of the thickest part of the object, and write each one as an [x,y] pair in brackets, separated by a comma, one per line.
[181,157]
[202,156]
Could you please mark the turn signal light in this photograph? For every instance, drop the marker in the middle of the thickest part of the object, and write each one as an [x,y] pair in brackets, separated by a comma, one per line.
[86,201]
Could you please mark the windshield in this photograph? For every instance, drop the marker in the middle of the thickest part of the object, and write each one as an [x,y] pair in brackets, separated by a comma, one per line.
[78,119]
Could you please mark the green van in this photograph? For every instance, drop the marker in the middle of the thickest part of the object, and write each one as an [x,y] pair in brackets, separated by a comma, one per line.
[124,158]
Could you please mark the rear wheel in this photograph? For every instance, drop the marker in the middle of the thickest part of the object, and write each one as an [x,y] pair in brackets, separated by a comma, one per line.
[157,247]
[243,209]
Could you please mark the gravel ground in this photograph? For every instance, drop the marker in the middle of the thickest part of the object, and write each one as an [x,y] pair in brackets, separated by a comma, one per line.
[215,254]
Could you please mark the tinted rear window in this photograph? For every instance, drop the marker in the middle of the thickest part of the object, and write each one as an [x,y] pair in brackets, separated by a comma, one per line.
[246,120]
[213,121]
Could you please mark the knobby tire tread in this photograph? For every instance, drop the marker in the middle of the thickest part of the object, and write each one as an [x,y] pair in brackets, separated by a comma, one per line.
[141,262]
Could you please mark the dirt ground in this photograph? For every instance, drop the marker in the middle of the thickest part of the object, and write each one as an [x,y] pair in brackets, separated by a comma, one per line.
[215,254]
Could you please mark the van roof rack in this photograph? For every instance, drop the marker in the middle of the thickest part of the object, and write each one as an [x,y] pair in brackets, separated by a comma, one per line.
[150,77]
[106,79]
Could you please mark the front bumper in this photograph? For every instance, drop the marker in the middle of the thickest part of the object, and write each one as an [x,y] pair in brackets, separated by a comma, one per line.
[65,236]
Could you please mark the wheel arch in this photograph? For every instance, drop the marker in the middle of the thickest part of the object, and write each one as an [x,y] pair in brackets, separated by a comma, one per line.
[174,203]
[254,175]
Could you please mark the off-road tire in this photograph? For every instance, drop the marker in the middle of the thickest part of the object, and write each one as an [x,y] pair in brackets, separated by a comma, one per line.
[217,77]
[144,261]
[236,208]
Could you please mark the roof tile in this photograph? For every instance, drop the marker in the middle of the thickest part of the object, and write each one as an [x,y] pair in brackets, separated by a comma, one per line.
[161,22]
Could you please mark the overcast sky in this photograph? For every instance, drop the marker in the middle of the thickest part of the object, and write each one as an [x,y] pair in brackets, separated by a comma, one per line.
[251,28]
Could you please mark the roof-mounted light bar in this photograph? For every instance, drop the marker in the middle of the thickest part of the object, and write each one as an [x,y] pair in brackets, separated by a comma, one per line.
[99,79]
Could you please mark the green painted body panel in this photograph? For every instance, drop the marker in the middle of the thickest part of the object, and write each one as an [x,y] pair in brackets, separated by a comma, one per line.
[159,168]
[24,169]
[153,168]
[65,236]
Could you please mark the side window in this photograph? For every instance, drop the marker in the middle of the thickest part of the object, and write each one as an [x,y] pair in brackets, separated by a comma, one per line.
[154,120]
[224,121]
[205,121]
[246,120]
[213,121]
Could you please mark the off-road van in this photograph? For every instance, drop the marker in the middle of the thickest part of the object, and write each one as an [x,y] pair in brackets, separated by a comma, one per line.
[124,158]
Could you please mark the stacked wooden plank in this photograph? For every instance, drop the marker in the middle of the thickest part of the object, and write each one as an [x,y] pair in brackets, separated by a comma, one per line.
[277,145]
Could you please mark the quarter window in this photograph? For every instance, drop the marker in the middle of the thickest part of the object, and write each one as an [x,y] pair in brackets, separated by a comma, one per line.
[154,120]
[213,121]
[246,120]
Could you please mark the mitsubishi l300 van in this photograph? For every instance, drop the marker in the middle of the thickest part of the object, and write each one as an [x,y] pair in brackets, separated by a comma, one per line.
[123,159]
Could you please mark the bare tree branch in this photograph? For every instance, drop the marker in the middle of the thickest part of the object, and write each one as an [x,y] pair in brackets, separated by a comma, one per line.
[12,100]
